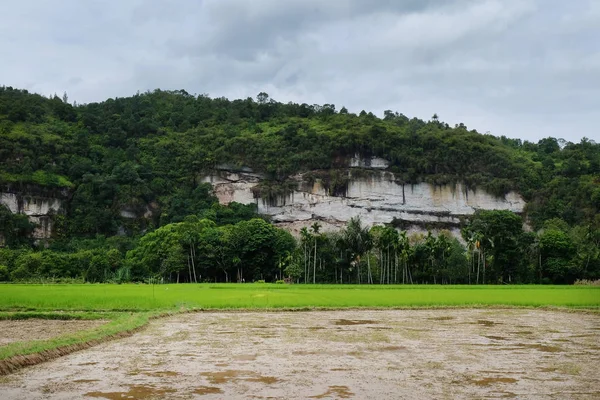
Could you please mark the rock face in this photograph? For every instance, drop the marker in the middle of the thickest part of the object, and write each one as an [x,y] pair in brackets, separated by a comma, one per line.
[37,204]
[373,195]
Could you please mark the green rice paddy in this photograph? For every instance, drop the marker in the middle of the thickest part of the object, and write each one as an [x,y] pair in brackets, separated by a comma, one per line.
[140,297]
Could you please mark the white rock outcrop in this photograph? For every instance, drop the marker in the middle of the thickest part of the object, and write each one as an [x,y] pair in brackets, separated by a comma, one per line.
[376,197]
[38,208]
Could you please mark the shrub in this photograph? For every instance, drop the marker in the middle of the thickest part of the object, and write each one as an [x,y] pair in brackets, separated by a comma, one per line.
[4,274]
[260,281]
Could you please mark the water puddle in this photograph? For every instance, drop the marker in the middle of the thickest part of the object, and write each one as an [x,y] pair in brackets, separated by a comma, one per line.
[232,375]
[541,347]
[332,353]
[355,322]
[336,392]
[486,322]
[204,390]
[135,392]
[267,380]
[441,318]
[390,348]
[495,337]
[161,374]
[491,381]
[245,357]
[506,395]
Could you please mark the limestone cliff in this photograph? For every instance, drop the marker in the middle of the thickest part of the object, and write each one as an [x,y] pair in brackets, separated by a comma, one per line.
[373,194]
[38,203]
[364,188]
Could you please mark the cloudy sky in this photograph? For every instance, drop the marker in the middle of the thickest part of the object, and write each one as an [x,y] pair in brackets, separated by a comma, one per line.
[520,68]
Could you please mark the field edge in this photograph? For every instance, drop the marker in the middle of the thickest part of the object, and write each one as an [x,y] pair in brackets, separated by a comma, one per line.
[24,354]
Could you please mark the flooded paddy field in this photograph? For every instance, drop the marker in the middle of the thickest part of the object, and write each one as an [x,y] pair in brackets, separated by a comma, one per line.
[40,329]
[453,353]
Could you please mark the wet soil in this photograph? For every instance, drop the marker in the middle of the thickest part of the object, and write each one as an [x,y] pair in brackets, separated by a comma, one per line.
[333,355]
[41,329]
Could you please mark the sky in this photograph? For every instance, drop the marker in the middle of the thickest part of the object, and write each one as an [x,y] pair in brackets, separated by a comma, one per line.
[525,69]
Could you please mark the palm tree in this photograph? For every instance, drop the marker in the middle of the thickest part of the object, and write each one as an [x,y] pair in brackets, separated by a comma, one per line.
[305,238]
[358,242]
[404,248]
[315,227]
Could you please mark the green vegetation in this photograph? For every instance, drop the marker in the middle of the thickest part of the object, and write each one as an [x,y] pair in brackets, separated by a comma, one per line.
[172,297]
[147,154]
[117,323]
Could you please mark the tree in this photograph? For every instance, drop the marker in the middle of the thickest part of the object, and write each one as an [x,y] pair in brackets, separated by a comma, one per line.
[15,229]
[556,252]
[262,98]
[315,232]
[357,240]
[497,234]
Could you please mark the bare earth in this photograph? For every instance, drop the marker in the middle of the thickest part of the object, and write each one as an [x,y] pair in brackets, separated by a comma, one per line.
[526,354]
[40,329]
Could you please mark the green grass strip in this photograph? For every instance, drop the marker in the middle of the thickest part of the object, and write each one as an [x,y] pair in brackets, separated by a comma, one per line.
[172,297]
[20,354]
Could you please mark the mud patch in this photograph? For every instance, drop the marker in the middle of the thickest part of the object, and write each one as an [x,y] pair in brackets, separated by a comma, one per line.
[338,392]
[541,347]
[204,390]
[232,375]
[245,357]
[492,381]
[355,322]
[495,337]
[135,392]
[443,318]
[487,322]
[523,333]
[390,348]
[161,374]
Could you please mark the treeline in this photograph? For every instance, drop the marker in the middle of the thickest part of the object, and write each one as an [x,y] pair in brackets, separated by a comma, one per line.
[497,251]
[195,250]
[148,154]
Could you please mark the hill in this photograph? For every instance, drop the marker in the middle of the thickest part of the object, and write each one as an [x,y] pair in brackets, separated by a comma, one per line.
[128,165]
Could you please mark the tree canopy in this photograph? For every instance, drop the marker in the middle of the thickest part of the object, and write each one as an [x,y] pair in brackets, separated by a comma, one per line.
[147,154]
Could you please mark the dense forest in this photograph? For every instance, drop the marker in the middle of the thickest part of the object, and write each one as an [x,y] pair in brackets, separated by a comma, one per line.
[151,150]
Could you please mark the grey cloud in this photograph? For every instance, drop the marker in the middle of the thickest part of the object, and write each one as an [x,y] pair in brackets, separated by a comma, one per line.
[522,68]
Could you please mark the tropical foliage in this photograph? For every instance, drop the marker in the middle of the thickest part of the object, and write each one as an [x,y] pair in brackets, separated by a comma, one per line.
[147,155]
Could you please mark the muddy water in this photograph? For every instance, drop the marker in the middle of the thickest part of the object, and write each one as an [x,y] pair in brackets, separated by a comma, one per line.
[333,355]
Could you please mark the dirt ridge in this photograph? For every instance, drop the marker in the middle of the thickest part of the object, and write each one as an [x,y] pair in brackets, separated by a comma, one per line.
[14,363]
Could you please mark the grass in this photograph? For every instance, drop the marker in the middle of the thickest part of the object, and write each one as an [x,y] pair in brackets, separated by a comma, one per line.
[134,297]
[117,324]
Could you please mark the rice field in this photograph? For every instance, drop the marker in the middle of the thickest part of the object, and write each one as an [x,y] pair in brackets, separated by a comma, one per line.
[142,297]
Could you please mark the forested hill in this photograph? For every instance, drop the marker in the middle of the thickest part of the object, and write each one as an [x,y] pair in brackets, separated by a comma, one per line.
[151,148]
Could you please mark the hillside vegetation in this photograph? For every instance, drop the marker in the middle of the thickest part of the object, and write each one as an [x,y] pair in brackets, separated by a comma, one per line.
[150,151]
